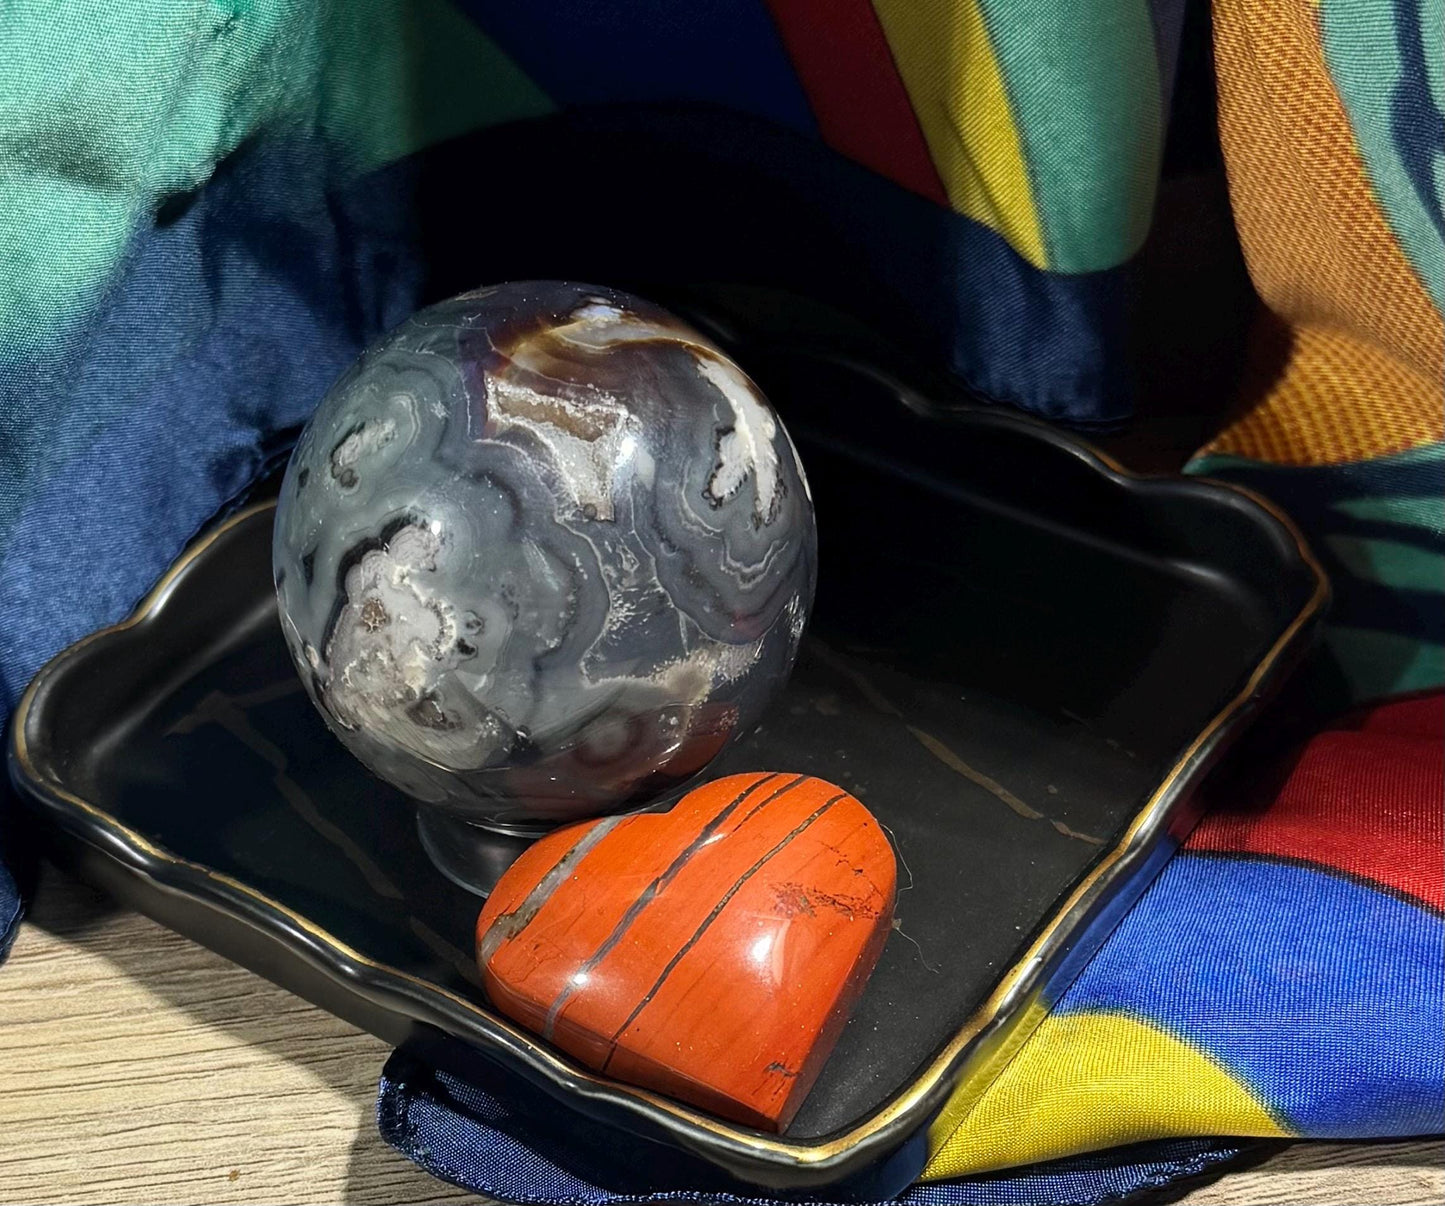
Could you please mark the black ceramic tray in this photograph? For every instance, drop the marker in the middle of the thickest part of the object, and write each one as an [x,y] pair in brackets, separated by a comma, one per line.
[1022,659]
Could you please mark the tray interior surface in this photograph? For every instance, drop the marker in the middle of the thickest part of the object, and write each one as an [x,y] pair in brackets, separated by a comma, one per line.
[1011,650]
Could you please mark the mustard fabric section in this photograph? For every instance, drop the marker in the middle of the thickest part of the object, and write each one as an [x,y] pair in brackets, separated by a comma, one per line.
[1350,362]
[951,71]
[1084,1082]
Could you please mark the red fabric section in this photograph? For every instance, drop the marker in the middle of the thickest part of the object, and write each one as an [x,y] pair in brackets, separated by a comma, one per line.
[1364,798]
[846,67]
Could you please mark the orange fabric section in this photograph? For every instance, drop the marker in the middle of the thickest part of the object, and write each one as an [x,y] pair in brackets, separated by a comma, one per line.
[1319,396]
[1360,372]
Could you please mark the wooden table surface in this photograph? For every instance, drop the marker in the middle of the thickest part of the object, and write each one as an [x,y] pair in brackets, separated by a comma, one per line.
[136,1066]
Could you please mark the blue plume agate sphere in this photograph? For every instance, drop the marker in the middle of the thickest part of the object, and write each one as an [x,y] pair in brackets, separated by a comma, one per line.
[542,553]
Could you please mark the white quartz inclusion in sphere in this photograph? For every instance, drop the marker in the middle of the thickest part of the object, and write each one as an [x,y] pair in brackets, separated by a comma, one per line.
[542,553]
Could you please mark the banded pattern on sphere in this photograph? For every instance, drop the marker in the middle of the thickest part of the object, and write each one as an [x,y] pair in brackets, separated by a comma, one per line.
[543,552]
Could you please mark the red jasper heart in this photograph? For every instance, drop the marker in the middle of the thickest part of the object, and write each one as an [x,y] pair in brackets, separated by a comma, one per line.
[710,953]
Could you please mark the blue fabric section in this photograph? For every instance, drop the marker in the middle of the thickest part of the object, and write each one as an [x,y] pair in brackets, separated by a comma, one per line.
[1167,17]
[1285,975]
[679,197]
[722,52]
[227,324]
[505,1142]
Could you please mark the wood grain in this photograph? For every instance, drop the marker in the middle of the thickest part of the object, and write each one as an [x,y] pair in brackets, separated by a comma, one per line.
[136,1066]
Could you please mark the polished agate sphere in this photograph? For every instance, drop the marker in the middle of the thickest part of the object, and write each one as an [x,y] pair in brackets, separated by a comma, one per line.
[542,553]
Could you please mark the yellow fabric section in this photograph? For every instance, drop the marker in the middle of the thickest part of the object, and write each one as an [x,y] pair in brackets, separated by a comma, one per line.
[1351,362]
[996,1058]
[947,61]
[1088,1081]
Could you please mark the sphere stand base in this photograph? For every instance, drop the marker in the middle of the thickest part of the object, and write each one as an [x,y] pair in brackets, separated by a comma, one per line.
[471,856]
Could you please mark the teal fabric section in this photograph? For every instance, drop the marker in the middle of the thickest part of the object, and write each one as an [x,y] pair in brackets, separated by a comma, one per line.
[1387,60]
[108,107]
[1378,527]
[1377,665]
[113,110]
[1398,565]
[1083,81]
[1423,512]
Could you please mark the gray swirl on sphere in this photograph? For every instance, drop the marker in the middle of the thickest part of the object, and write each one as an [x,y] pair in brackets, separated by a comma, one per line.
[543,552]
